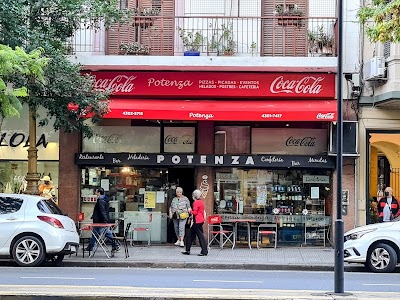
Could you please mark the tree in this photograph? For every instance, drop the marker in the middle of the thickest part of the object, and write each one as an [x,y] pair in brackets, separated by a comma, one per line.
[382,20]
[50,24]
[13,62]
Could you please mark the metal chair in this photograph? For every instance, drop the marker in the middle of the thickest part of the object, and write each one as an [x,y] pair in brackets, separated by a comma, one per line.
[124,239]
[269,229]
[142,227]
[219,232]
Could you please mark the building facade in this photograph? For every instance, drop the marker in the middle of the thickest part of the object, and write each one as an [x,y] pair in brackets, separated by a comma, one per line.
[252,125]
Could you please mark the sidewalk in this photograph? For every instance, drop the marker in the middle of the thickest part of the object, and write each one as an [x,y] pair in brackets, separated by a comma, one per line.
[169,256]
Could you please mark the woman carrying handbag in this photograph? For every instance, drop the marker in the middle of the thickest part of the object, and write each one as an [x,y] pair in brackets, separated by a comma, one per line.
[198,213]
[179,213]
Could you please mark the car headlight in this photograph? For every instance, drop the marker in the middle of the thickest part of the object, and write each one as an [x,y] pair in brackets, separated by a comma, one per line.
[358,234]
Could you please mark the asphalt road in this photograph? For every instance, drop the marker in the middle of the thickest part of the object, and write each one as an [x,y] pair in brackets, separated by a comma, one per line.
[186,278]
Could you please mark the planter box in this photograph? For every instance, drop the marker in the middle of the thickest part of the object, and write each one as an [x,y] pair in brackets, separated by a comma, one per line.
[287,21]
[143,22]
[191,53]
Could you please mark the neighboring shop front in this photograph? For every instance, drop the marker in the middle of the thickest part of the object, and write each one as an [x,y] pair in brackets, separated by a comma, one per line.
[14,143]
[256,144]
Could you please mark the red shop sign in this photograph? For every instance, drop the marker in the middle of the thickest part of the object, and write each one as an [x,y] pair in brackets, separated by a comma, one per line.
[217,84]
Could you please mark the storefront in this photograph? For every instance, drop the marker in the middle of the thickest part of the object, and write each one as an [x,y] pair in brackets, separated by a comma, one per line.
[14,142]
[256,144]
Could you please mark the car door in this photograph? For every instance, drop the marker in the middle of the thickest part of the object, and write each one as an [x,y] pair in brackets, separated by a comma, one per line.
[11,218]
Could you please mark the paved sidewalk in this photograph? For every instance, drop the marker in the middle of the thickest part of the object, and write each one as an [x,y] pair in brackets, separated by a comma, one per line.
[162,256]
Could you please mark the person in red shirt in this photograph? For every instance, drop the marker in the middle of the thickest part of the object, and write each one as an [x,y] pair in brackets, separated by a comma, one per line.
[197,227]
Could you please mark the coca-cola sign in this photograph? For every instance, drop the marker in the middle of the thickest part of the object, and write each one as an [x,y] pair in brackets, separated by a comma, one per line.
[305,85]
[192,84]
[294,141]
[179,139]
[326,116]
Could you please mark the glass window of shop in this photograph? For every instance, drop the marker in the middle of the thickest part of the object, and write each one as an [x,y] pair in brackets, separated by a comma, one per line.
[298,200]
[12,174]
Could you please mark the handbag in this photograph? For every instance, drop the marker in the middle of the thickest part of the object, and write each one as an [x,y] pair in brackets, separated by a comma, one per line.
[183,215]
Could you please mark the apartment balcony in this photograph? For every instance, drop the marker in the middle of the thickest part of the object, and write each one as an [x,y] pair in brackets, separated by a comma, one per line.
[276,36]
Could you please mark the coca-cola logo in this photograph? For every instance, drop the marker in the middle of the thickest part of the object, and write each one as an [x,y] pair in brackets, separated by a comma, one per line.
[107,139]
[306,85]
[327,116]
[181,140]
[308,141]
[120,83]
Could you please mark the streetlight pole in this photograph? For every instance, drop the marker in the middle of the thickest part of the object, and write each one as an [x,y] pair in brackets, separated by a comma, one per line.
[339,225]
[32,177]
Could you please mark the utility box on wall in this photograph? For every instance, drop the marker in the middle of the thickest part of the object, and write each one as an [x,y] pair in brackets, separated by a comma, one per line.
[374,69]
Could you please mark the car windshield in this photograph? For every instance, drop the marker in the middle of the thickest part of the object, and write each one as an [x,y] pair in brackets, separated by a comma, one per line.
[49,207]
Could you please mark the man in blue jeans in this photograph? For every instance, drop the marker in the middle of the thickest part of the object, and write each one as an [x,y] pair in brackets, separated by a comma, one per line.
[101,215]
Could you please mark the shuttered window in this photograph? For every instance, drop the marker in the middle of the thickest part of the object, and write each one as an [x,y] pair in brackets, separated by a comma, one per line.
[284,36]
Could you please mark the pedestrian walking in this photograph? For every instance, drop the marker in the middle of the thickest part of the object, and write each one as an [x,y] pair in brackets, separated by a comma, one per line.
[179,213]
[388,206]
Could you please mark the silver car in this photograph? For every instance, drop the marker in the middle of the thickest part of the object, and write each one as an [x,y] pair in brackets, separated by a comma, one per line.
[35,230]
[377,246]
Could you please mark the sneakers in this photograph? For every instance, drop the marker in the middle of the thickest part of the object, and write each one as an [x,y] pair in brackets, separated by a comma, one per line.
[182,244]
[178,242]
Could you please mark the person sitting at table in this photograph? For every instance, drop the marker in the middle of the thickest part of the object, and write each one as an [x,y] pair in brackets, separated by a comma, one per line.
[101,215]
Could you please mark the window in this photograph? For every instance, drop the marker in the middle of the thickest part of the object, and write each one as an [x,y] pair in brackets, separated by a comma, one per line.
[10,205]
[49,207]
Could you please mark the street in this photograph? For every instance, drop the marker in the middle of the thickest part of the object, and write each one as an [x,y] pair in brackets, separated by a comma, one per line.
[111,280]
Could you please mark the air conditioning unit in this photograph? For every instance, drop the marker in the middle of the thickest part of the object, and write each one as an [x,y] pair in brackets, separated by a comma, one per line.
[374,69]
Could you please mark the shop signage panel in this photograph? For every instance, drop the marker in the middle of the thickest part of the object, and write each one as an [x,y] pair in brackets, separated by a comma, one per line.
[14,138]
[316,179]
[123,138]
[179,139]
[216,84]
[250,161]
[292,141]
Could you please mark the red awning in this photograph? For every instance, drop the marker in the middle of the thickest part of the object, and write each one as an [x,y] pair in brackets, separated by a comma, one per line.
[290,110]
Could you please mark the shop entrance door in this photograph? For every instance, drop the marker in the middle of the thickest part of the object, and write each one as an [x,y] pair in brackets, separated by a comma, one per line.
[183,177]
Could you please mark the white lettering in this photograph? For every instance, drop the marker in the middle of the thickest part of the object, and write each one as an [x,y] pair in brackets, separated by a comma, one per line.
[138,157]
[160,158]
[295,163]
[272,159]
[176,159]
[306,85]
[120,83]
[201,116]
[235,160]
[190,159]
[219,160]
[88,156]
[327,116]
[116,160]
[203,159]
[180,84]
[249,161]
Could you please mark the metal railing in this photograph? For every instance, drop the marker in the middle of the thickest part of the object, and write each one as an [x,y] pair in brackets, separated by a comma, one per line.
[222,36]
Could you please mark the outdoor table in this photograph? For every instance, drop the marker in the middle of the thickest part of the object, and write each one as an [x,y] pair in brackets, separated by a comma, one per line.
[100,236]
[242,221]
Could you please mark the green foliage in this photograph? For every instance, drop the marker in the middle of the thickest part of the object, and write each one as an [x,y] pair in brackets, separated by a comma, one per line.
[50,24]
[382,20]
[17,63]
[222,41]
[192,41]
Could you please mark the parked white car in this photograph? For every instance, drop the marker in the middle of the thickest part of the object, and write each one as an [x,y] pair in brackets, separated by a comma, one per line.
[377,246]
[35,230]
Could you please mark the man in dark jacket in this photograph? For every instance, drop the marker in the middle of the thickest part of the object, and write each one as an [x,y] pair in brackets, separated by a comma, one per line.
[101,215]
[388,206]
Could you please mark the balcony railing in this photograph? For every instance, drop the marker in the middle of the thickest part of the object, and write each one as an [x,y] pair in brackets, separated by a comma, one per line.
[222,36]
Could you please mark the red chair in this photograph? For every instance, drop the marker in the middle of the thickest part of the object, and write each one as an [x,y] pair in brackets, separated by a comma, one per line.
[218,232]
[268,229]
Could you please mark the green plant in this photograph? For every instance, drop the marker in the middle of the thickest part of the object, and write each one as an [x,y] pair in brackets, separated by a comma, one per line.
[222,40]
[154,11]
[292,10]
[320,39]
[192,41]
[134,48]
[253,48]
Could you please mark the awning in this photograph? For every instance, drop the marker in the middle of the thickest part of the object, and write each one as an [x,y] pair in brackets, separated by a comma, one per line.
[289,110]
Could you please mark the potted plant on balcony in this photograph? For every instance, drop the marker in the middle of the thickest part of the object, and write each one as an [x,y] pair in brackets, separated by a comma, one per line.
[192,41]
[143,17]
[320,42]
[133,48]
[222,41]
[289,15]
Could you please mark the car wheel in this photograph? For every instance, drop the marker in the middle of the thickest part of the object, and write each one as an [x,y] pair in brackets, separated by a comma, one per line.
[382,259]
[28,251]
[55,259]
